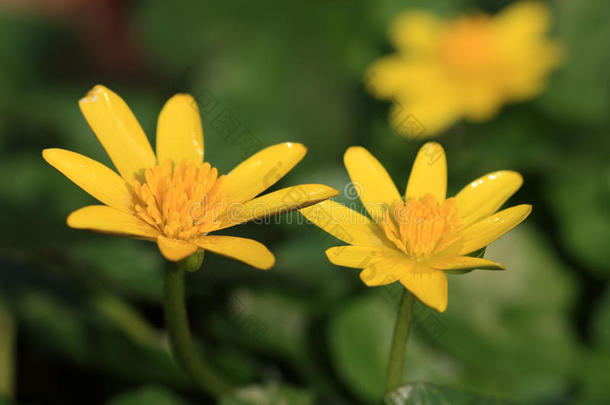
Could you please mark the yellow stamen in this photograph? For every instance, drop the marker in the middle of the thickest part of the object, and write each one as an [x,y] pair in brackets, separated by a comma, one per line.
[180,201]
[467,45]
[422,227]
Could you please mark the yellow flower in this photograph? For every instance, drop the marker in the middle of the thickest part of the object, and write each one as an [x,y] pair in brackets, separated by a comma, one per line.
[174,197]
[416,240]
[467,67]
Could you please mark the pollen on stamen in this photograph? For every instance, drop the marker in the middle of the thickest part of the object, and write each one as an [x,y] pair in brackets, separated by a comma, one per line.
[422,227]
[181,201]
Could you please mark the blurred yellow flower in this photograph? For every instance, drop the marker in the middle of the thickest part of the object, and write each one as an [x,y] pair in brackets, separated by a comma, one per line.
[416,240]
[468,67]
[173,197]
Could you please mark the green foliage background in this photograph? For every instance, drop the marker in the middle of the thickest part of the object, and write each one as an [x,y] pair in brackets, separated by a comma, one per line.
[80,314]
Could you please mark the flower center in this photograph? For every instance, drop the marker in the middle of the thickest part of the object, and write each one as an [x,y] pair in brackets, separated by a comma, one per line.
[422,227]
[180,201]
[467,46]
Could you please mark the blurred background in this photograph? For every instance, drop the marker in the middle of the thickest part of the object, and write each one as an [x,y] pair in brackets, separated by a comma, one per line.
[80,313]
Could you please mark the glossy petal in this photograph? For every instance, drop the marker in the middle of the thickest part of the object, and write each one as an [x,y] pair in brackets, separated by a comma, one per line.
[429,173]
[487,230]
[386,271]
[105,219]
[179,132]
[360,257]
[262,170]
[369,178]
[118,131]
[275,203]
[346,224]
[245,250]
[485,195]
[174,249]
[429,286]
[463,263]
[96,179]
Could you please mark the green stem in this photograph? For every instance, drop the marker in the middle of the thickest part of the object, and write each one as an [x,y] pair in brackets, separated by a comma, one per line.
[399,341]
[183,347]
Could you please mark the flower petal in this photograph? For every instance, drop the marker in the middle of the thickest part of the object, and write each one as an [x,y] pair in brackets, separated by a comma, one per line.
[275,203]
[485,195]
[429,173]
[261,170]
[487,230]
[179,132]
[359,257]
[101,218]
[428,285]
[386,271]
[375,188]
[346,224]
[416,31]
[174,249]
[93,177]
[245,250]
[118,131]
[463,263]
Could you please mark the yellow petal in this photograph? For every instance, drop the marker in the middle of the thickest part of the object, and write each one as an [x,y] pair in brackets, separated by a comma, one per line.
[372,182]
[463,263]
[346,224]
[429,173]
[429,286]
[93,177]
[174,249]
[388,76]
[245,250]
[118,131]
[275,203]
[359,257]
[261,170]
[386,271]
[485,195]
[416,31]
[482,233]
[179,132]
[427,106]
[101,218]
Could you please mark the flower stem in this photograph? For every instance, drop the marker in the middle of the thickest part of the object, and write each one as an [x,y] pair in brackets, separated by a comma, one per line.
[399,341]
[183,347]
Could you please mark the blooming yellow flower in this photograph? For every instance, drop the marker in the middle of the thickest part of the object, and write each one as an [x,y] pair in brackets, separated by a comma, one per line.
[467,67]
[173,197]
[416,240]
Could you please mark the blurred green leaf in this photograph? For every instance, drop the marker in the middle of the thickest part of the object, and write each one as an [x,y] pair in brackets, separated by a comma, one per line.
[579,196]
[430,394]
[511,329]
[359,337]
[267,320]
[8,333]
[148,396]
[269,394]
[132,267]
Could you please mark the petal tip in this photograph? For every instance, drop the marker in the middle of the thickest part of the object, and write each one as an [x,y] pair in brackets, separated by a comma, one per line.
[48,154]
[94,93]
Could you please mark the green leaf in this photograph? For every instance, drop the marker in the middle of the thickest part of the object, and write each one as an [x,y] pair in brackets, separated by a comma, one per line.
[269,394]
[147,396]
[7,349]
[511,330]
[133,267]
[360,335]
[266,320]
[430,394]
